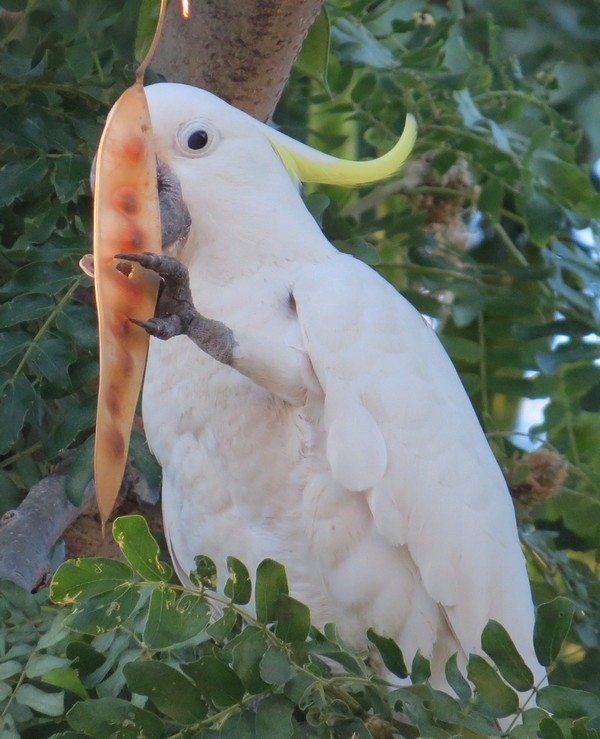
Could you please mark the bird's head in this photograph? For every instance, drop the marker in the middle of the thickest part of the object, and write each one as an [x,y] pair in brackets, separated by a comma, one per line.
[211,153]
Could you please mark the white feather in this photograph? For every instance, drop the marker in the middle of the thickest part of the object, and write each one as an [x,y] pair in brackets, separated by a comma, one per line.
[341,442]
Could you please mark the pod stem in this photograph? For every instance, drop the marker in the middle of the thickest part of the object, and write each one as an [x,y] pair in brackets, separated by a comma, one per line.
[139,74]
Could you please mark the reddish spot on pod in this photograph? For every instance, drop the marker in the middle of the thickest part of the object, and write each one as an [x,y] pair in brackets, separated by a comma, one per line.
[113,402]
[120,326]
[131,237]
[117,443]
[134,149]
[126,363]
[126,200]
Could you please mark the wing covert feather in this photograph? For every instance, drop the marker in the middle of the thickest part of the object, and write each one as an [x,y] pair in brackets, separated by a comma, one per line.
[436,486]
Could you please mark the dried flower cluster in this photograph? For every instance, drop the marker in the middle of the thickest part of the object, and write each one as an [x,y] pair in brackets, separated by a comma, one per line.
[534,477]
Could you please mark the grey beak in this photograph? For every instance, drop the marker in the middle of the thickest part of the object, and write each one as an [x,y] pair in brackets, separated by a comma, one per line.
[175,217]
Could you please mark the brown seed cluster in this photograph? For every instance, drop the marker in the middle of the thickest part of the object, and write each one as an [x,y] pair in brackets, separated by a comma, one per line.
[534,477]
[447,217]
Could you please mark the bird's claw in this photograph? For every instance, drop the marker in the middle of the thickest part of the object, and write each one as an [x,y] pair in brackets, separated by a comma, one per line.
[165,266]
[175,308]
[161,328]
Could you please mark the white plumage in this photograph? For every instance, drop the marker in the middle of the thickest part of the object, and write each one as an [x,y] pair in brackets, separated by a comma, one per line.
[341,441]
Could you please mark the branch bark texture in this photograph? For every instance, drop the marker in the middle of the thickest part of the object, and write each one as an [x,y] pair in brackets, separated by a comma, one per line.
[28,534]
[242,51]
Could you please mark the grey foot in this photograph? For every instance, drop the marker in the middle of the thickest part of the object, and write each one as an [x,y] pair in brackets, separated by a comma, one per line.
[175,311]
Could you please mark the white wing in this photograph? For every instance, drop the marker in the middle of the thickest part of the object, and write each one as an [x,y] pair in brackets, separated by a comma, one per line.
[401,427]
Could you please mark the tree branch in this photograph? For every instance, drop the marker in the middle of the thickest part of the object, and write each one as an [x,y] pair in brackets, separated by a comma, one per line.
[241,51]
[28,534]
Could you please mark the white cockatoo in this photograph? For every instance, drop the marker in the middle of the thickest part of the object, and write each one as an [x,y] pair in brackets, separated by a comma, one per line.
[314,417]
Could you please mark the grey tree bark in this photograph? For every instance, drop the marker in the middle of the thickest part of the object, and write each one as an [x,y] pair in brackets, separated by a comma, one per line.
[241,50]
[28,534]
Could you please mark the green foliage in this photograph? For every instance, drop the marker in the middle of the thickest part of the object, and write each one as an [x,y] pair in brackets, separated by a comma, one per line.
[61,67]
[167,664]
[480,231]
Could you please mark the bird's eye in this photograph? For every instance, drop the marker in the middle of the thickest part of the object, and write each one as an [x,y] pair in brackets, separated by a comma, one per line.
[196,138]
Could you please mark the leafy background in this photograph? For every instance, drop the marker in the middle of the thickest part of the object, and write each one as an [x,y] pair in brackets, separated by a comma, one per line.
[489,231]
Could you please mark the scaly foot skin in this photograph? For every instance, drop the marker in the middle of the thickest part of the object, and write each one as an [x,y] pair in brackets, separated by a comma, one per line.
[175,312]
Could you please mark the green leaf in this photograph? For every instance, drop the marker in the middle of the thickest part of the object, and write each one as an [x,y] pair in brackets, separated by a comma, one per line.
[145,462]
[220,629]
[78,322]
[456,679]
[81,472]
[77,580]
[115,718]
[313,60]
[172,620]
[139,547]
[571,182]
[70,177]
[40,663]
[390,652]
[583,729]
[12,343]
[568,702]
[51,358]
[67,678]
[48,704]
[170,691]
[105,612]
[217,681]
[9,668]
[24,308]
[21,177]
[75,417]
[542,218]
[552,625]
[275,667]
[238,587]
[205,574]
[271,582]
[84,657]
[16,398]
[491,688]
[14,6]
[497,644]
[491,199]
[274,718]
[549,729]
[293,619]
[241,726]
[420,670]
[247,654]
[148,18]
[462,349]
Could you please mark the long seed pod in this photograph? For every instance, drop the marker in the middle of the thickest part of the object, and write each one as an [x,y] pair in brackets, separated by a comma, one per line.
[126,219]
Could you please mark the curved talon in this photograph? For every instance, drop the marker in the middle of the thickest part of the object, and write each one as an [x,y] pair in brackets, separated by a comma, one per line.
[161,328]
[167,267]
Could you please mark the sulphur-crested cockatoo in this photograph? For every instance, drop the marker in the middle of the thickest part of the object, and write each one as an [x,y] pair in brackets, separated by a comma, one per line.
[314,417]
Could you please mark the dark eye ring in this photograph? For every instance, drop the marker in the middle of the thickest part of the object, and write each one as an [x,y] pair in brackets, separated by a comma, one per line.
[197,140]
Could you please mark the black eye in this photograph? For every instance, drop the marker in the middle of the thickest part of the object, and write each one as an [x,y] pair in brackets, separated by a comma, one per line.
[197,140]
